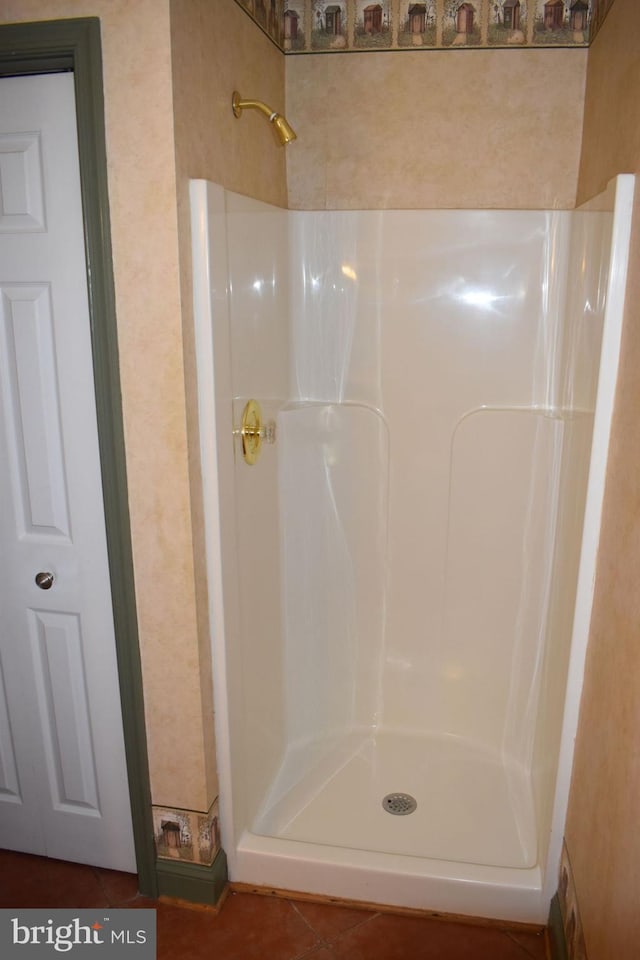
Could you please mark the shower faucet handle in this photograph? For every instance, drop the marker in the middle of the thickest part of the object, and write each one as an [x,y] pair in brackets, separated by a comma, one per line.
[254,431]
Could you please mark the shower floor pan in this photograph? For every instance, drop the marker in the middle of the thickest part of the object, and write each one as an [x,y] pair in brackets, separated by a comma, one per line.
[472,807]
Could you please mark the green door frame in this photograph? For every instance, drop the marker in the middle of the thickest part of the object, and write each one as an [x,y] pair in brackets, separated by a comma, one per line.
[51,47]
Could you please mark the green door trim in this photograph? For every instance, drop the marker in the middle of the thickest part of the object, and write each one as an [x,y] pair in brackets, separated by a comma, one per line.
[55,46]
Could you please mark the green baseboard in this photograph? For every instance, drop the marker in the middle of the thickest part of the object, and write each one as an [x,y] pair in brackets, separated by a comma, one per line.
[556,932]
[193,881]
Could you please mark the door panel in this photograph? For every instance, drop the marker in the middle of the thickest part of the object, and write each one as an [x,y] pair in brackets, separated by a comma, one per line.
[31,410]
[64,708]
[22,207]
[63,781]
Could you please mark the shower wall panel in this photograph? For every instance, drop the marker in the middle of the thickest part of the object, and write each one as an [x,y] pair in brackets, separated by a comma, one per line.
[446,323]
[582,312]
[505,467]
[333,500]
[432,376]
[333,488]
[257,249]
[337,306]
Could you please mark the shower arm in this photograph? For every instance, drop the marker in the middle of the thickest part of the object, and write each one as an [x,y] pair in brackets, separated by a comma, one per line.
[283,130]
[238,105]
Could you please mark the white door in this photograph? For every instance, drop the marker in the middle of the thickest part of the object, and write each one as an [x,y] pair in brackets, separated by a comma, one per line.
[63,780]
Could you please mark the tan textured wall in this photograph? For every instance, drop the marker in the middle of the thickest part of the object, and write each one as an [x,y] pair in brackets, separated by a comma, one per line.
[142,188]
[215,49]
[490,128]
[611,142]
[602,826]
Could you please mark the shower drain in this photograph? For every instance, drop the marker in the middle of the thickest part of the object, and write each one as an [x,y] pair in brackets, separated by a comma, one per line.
[400,804]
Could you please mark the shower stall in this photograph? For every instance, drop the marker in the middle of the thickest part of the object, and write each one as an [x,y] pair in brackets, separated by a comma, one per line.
[401,584]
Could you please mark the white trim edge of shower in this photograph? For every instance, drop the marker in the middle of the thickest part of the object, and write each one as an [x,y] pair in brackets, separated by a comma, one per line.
[607,382]
[206,197]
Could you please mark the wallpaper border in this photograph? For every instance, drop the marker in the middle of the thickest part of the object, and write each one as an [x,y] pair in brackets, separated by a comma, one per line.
[356,26]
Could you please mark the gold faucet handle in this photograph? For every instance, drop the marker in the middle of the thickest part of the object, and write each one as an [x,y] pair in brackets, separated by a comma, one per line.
[253,431]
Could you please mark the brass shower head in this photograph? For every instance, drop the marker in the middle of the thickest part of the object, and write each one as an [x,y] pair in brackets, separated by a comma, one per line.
[284,132]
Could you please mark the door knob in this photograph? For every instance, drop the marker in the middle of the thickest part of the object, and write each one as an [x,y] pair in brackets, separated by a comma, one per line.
[44,580]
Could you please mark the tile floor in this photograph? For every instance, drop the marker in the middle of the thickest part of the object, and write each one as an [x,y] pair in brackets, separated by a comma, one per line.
[251,927]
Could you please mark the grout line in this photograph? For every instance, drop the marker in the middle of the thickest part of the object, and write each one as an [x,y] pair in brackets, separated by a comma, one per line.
[326,942]
[359,923]
[320,942]
[314,951]
[522,946]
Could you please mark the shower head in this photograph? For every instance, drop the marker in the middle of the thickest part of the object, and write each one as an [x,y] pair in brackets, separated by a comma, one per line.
[284,131]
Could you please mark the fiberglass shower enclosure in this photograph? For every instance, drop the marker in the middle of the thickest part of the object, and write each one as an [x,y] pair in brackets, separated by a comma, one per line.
[400,586]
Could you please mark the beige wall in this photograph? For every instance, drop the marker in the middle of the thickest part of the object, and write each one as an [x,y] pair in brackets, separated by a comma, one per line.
[209,58]
[490,128]
[141,170]
[602,835]
[216,49]
[611,142]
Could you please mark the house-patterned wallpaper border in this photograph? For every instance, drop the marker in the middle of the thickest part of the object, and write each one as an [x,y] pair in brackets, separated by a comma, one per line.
[187,834]
[344,26]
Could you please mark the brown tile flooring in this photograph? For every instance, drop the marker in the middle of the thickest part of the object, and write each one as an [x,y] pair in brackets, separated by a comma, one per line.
[251,927]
